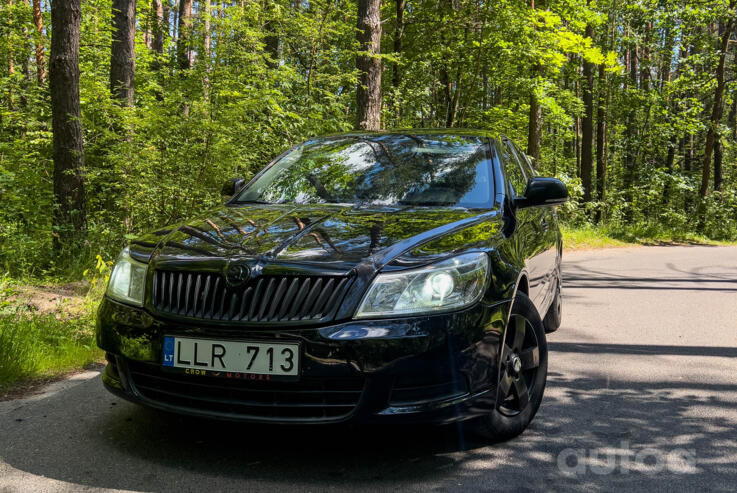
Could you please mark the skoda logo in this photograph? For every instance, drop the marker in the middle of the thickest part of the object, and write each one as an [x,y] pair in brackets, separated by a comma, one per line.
[237,274]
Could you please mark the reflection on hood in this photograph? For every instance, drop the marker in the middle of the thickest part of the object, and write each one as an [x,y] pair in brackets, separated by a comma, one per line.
[340,235]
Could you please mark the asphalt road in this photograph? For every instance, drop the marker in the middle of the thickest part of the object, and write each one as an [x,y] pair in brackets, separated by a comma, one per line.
[642,395]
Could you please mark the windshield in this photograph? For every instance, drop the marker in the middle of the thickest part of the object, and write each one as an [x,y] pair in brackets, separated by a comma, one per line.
[390,169]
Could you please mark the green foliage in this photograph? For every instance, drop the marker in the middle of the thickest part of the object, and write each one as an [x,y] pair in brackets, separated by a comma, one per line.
[40,346]
[463,63]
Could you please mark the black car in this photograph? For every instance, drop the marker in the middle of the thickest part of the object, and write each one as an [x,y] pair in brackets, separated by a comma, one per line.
[372,277]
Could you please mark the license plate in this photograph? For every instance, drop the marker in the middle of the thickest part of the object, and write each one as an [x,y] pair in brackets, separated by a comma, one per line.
[228,358]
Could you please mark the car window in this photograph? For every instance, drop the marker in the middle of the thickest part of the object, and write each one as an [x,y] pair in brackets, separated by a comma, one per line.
[517,178]
[384,169]
[526,165]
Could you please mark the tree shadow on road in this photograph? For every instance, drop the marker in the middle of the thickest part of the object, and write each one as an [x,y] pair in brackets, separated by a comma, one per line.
[112,444]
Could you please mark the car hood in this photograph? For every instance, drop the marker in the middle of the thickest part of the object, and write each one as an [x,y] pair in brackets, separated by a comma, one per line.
[336,237]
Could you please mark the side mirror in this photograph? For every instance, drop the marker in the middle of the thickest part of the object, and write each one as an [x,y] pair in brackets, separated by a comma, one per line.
[543,191]
[232,187]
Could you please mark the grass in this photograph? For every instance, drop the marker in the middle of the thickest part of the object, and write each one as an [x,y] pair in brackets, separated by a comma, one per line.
[589,238]
[593,237]
[41,339]
[41,347]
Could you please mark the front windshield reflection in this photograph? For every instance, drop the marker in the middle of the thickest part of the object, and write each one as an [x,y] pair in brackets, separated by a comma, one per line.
[389,170]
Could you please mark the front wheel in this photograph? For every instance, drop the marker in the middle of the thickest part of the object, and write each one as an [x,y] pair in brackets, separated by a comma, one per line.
[523,371]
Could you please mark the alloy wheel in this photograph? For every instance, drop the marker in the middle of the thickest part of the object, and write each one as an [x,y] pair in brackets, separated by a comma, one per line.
[519,363]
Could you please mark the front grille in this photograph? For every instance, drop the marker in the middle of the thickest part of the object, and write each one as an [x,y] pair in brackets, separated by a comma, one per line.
[205,296]
[323,399]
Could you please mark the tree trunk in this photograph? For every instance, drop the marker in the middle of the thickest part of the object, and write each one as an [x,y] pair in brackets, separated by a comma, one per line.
[645,58]
[601,128]
[587,124]
[534,128]
[38,21]
[398,39]
[670,158]
[157,12]
[716,111]
[11,56]
[271,39]
[718,178]
[147,31]
[24,64]
[665,65]
[688,156]
[69,215]
[577,133]
[208,28]
[450,119]
[175,23]
[208,49]
[732,117]
[577,145]
[122,52]
[485,87]
[444,79]
[184,50]
[535,120]
[628,177]
[568,144]
[165,25]
[368,93]
[665,78]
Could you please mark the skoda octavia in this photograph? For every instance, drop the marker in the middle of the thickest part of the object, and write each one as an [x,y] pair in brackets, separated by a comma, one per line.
[373,277]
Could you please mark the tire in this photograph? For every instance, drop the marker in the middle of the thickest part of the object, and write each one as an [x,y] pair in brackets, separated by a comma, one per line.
[520,387]
[553,318]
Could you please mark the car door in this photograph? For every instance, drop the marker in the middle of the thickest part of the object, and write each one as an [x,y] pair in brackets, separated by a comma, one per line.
[529,231]
[548,258]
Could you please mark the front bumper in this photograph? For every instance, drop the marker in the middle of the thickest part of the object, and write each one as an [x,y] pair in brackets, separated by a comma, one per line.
[439,369]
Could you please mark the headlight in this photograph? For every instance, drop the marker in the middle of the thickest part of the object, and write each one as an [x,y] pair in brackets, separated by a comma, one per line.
[128,280]
[450,284]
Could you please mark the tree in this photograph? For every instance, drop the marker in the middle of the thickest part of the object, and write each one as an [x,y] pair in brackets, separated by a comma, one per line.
[70,209]
[368,63]
[587,124]
[631,141]
[400,5]
[726,29]
[24,61]
[122,59]
[207,28]
[184,49]
[11,61]
[271,41]
[399,27]
[157,12]
[282,71]
[601,129]
[535,120]
[38,21]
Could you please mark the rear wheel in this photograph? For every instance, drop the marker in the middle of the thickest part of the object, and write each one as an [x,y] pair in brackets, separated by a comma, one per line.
[523,369]
[553,318]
